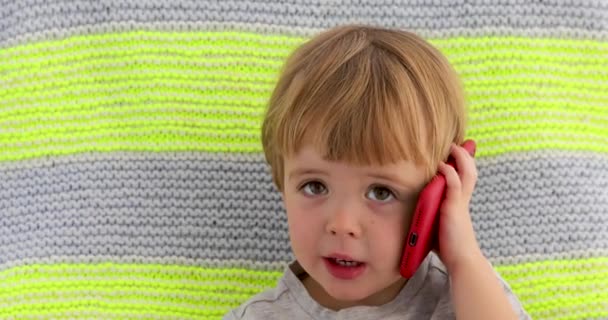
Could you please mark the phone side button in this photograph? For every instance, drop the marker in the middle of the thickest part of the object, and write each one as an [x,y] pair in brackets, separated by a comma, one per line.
[413,239]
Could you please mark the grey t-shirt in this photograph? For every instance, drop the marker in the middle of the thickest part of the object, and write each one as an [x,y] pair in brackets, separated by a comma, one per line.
[425,296]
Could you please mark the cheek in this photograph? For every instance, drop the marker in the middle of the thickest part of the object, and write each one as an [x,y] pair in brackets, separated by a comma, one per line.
[388,230]
[304,224]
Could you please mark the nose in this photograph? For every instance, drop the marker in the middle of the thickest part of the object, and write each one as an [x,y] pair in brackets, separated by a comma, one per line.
[345,221]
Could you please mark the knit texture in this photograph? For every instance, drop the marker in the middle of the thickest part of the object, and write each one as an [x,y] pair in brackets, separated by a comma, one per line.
[132,179]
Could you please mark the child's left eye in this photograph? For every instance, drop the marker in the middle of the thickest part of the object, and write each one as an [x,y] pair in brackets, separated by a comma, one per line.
[381,194]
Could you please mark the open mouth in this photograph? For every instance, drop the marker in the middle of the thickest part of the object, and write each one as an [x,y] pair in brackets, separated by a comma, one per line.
[344,269]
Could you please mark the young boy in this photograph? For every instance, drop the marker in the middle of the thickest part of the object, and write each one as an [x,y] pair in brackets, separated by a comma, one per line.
[360,120]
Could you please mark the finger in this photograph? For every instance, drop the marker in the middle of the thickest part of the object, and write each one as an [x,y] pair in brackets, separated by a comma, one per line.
[454,187]
[466,168]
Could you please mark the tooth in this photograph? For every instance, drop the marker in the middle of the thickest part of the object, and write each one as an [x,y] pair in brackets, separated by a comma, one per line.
[346,263]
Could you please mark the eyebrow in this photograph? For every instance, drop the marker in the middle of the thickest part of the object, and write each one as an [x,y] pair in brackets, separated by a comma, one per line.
[303,171]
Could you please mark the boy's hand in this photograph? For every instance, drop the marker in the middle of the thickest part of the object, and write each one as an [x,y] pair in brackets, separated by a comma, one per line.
[457,242]
[475,289]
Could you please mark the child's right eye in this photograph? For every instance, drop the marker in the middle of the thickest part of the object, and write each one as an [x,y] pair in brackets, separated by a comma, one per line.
[314,188]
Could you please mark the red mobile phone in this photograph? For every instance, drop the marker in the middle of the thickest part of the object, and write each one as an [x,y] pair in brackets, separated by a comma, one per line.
[422,236]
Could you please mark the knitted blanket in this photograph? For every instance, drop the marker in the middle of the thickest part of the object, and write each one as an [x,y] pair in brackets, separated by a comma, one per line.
[132,180]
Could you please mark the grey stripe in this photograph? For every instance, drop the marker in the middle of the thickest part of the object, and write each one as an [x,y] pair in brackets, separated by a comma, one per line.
[538,204]
[21,20]
[149,205]
[224,207]
[57,33]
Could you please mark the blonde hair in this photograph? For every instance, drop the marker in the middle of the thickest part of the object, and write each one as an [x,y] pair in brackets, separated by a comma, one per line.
[365,95]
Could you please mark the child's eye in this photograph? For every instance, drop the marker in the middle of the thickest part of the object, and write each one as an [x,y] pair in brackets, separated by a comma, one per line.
[381,194]
[314,188]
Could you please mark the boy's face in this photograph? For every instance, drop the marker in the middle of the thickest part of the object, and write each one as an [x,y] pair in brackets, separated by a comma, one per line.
[334,208]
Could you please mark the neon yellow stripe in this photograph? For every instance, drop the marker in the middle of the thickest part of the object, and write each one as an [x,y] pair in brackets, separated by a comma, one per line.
[559,289]
[128,289]
[206,91]
[78,312]
[116,309]
[251,71]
